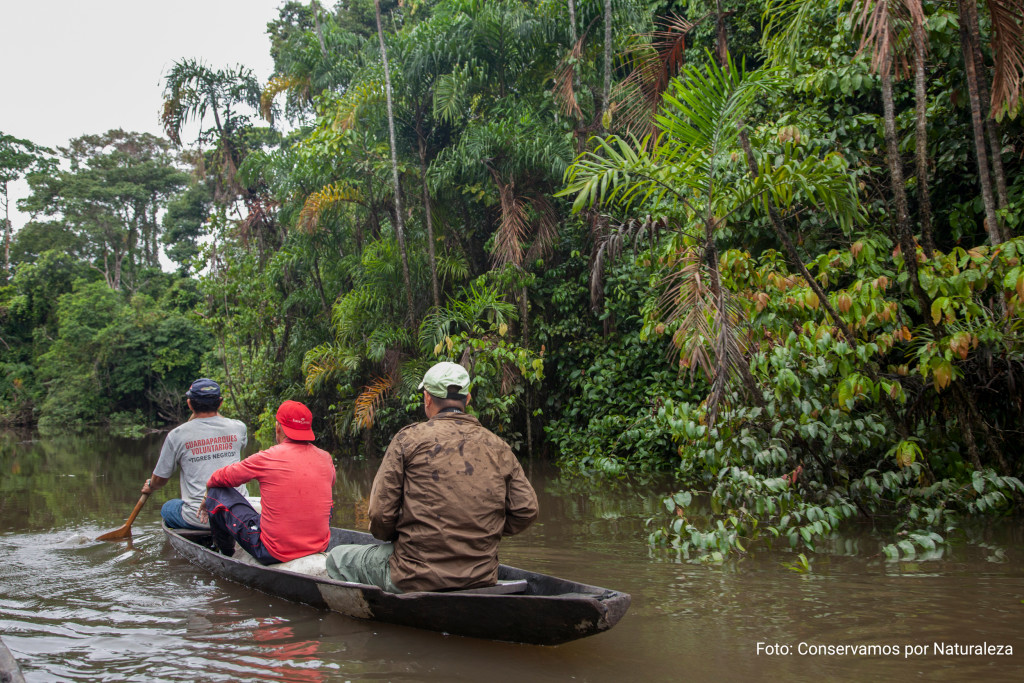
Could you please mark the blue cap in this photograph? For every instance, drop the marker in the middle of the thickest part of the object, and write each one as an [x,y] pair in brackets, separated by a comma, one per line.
[203,388]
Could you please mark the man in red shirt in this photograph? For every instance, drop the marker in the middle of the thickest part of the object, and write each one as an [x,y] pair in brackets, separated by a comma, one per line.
[296,482]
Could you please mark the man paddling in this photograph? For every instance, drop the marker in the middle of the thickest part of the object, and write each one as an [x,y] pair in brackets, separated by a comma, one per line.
[447,491]
[197,448]
[296,487]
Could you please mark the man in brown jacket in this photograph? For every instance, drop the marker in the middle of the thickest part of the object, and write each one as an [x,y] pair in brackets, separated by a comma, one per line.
[447,491]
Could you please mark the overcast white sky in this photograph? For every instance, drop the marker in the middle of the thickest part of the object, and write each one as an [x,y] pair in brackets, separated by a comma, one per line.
[70,68]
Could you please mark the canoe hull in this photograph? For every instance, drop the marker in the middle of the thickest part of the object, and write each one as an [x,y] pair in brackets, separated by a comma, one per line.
[551,611]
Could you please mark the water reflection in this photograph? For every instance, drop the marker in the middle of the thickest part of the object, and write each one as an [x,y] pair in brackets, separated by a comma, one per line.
[73,609]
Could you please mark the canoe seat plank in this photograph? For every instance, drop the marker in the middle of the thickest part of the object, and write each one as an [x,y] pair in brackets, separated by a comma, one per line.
[501,588]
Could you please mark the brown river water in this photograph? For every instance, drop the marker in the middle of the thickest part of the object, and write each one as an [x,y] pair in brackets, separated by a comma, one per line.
[72,609]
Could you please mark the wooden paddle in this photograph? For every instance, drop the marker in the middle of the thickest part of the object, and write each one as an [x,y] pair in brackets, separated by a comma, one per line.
[125,531]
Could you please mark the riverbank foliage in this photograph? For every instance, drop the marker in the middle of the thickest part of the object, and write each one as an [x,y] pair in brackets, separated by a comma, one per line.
[770,248]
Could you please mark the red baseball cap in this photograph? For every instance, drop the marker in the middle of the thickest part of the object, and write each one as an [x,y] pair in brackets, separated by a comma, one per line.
[296,421]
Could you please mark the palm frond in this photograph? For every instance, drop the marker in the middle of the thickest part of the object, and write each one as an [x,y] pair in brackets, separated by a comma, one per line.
[356,313]
[707,333]
[411,372]
[357,98]
[618,172]
[384,339]
[878,22]
[610,244]
[654,61]
[172,117]
[704,106]
[1008,47]
[688,300]
[564,87]
[323,364]
[369,400]
[192,88]
[795,176]
[473,309]
[514,225]
[699,122]
[451,93]
[452,266]
[322,200]
[509,374]
[276,86]
[786,25]
[546,228]
[436,327]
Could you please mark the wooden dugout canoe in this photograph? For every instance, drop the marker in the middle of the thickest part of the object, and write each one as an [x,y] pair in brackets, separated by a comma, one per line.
[525,607]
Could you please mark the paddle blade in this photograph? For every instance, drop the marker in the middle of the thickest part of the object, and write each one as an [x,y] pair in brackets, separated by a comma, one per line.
[116,535]
[125,531]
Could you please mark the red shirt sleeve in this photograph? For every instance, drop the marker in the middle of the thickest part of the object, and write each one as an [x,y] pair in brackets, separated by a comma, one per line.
[237,473]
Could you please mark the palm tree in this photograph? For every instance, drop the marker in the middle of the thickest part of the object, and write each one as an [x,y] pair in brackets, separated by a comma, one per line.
[192,90]
[654,62]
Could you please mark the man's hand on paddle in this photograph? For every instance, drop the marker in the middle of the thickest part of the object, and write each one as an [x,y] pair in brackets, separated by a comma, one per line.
[153,483]
[203,514]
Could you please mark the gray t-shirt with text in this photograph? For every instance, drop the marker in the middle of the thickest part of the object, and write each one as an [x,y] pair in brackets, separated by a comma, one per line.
[198,448]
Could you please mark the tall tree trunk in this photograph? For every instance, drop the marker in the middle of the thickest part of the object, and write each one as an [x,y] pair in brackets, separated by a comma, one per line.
[892,155]
[721,37]
[573,38]
[606,93]
[427,209]
[992,131]
[319,31]
[118,267]
[921,139]
[977,121]
[904,233]
[572,23]
[399,226]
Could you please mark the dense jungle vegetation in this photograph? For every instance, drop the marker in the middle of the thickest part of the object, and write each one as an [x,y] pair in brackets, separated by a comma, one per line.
[771,247]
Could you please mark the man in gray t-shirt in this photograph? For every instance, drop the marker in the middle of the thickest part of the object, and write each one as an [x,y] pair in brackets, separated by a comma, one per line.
[197,448]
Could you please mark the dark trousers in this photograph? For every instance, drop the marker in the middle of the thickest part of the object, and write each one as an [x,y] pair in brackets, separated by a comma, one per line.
[232,518]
